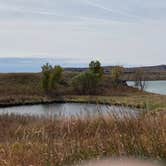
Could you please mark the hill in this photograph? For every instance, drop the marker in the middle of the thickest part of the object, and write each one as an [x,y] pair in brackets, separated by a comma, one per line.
[152,72]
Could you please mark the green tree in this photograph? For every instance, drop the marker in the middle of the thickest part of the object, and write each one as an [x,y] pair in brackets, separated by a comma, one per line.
[56,76]
[95,67]
[51,77]
[46,73]
[85,83]
[88,82]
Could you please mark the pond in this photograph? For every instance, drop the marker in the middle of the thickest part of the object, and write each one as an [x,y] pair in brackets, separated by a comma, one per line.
[158,87]
[69,110]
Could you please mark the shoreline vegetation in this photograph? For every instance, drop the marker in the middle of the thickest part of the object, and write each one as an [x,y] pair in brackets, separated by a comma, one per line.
[26,140]
[54,84]
[150,102]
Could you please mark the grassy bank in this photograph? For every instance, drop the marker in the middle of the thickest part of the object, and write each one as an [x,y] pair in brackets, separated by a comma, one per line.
[150,102]
[44,142]
[25,88]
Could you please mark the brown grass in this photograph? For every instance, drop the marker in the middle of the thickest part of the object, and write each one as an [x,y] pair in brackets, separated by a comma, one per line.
[25,88]
[36,141]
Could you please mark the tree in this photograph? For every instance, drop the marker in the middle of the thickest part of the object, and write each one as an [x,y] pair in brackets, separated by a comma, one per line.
[140,79]
[88,82]
[46,73]
[116,74]
[56,76]
[50,77]
[85,83]
[95,67]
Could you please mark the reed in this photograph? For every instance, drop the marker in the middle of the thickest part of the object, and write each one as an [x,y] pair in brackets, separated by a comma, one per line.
[39,141]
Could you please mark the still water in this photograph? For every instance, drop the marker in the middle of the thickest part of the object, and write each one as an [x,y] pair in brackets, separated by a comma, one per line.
[69,110]
[158,87]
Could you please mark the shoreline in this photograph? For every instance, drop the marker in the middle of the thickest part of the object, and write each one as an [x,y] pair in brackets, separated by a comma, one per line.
[139,101]
[59,102]
[25,89]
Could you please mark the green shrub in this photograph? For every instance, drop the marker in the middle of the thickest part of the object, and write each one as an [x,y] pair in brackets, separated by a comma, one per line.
[51,77]
[88,82]
[55,77]
[95,67]
[46,73]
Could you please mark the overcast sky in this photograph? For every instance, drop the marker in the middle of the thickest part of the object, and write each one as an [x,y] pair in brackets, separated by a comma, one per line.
[125,32]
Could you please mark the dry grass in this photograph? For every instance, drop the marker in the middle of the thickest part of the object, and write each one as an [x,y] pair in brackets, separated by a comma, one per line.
[20,84]
[151,102]
[36,141]
[25,88]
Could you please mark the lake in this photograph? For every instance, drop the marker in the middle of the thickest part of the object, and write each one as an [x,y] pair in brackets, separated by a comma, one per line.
[158,87]
[69,110]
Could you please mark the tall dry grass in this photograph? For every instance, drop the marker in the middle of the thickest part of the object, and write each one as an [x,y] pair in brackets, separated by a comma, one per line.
[26,140]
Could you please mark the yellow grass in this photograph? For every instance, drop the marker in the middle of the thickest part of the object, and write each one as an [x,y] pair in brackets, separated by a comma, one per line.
[34,141]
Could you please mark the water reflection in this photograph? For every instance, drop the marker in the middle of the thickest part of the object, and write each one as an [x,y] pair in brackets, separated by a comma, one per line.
[69,110]
[158,87]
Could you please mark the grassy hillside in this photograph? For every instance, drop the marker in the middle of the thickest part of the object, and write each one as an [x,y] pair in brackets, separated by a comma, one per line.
[152,72]
[30,84]
[21,83]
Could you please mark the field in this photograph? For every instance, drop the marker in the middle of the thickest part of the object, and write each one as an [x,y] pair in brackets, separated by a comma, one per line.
[49,142]
[25,88]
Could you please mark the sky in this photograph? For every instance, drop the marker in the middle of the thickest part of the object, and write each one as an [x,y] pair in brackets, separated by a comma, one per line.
[120,32]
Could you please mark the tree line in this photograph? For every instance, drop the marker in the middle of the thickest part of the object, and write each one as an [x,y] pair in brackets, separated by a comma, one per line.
[87,82]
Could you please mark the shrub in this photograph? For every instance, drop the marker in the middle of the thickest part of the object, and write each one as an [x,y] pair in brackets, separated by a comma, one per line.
[140,81]
[46,72]
[116,74]
[88,82]
[50,77]
[55,77]
[95,67]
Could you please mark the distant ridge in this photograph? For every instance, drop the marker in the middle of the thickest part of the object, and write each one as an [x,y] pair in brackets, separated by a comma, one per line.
[152,72]
[158,68]
[33,65]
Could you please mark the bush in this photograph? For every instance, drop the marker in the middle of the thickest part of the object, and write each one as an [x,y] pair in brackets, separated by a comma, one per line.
[116,74]
[140,81]
[51,77]
[95,67]
[86,83]
[46,72]
[55,77]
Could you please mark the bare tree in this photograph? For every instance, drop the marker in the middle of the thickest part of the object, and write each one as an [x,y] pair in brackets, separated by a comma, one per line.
[140,79]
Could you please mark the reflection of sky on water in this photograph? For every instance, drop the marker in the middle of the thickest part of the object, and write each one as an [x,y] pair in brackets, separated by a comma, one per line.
[153,86]
[69,110]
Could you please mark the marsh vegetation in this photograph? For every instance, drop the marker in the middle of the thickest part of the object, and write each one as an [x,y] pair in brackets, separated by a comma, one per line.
[26,140]
[67,140]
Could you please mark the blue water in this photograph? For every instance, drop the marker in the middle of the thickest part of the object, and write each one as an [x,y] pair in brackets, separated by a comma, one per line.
[158,87]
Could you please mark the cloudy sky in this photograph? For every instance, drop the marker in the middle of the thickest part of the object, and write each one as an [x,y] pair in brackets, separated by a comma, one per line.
[125,32]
